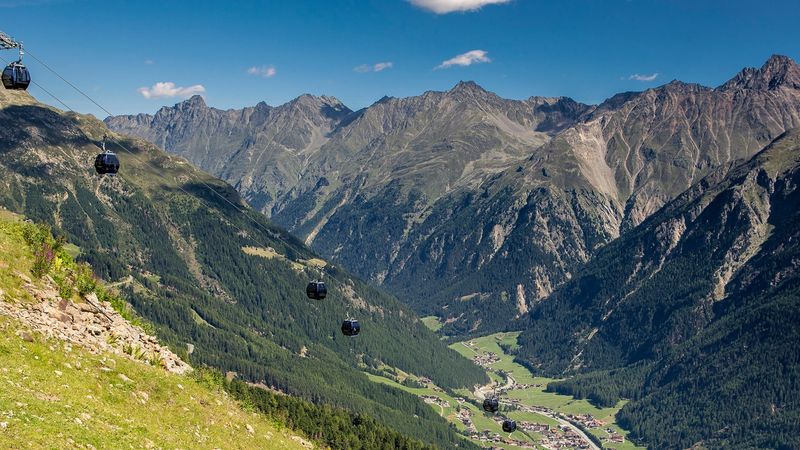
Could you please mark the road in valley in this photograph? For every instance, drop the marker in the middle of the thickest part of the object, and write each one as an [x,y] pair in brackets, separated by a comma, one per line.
[480,393]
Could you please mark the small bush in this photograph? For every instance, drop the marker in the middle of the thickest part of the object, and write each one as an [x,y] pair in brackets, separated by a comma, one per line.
[43,258]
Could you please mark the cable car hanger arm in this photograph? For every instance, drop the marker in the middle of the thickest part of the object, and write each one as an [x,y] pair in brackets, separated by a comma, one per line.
[7,43]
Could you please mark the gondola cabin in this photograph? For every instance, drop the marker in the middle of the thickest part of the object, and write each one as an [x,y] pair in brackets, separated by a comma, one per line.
[351,327]
[491,405]
[316,290]
[106,163]
[509,426]
[16,77]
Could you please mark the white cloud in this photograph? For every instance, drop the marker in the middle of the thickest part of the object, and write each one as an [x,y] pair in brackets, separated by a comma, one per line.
[382,66]
[638,77]
[263,71]
[466,59]
[378,67]
[448,6]
[165,89]
[149,62]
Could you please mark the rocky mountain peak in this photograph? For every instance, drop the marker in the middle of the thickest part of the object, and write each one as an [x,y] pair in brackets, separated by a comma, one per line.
[467,88]
[779,71]
[330,107]
[616,101]
[678,87]
[195,101]
[314,100]
[306,99]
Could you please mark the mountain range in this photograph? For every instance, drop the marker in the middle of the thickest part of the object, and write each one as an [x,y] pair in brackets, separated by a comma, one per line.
[414,193]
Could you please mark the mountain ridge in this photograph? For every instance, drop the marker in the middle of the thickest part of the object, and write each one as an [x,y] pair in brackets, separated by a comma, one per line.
[683,313]
[400,171]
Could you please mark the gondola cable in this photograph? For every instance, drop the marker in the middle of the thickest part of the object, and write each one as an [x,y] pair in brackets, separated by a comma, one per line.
[121,145]
[320,290]
[157,171]
[46,66]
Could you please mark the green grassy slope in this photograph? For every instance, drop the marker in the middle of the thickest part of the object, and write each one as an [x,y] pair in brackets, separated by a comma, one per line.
[54,397]
[58,395]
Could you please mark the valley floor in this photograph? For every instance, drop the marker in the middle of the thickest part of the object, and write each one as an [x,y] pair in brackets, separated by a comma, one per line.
[546,420]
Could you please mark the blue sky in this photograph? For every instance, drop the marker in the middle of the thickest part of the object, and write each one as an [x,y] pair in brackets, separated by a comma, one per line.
[241,52]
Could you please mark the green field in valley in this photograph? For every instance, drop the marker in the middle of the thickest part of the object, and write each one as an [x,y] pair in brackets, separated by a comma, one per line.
[449,406]
[534,394]
[527,389]
[432,322]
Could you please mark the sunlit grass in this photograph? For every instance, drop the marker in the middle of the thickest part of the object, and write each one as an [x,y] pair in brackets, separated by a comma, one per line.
[432,322]
[267,253]
[54,396]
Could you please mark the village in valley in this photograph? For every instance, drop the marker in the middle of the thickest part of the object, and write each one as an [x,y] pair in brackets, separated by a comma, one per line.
[545,420]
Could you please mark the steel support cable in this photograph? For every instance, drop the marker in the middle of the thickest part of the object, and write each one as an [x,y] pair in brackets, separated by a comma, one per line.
[76,88]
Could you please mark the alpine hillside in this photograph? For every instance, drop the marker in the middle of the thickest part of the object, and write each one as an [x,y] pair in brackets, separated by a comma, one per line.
[694,313]
[188,255]
[77,374]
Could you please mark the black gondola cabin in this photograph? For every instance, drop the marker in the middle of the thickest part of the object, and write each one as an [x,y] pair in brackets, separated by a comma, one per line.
[316,290]
[509,426]
[351,327]
[16,76]
[106,163]
[491,405]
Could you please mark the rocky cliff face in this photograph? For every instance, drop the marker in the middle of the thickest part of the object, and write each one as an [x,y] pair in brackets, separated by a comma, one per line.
[415,192]
[660,142]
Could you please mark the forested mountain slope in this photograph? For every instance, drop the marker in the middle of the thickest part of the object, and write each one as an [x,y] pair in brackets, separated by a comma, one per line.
[215,275]
[415,192]
[76,373]
[700,304]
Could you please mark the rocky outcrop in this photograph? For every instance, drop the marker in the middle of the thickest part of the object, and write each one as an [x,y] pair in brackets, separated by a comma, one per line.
[91,324]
